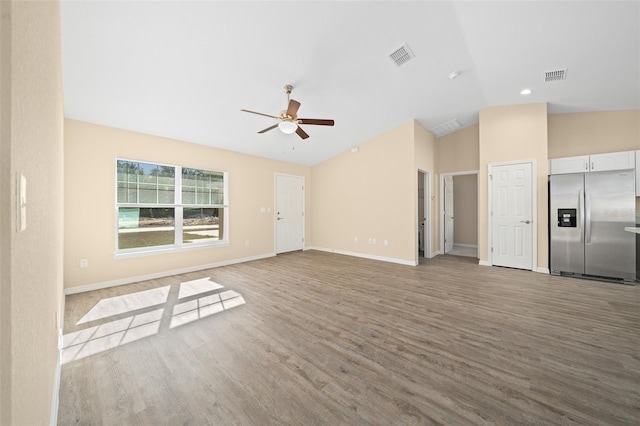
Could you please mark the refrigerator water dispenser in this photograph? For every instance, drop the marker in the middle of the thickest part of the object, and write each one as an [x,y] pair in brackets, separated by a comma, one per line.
[567,218]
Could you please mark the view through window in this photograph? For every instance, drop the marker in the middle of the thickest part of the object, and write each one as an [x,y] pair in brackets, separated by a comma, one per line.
[166,206]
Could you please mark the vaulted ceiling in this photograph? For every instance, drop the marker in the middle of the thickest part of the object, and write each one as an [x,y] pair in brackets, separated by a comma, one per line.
[185,69]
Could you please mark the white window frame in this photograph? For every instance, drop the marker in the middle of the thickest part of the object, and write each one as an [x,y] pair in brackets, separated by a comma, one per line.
[178,207]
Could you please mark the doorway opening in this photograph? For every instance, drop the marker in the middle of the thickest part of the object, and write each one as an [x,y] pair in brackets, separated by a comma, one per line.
[423,218]
[459,213]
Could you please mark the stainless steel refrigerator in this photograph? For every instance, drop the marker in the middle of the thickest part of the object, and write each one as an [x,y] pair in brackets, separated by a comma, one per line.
[588,214]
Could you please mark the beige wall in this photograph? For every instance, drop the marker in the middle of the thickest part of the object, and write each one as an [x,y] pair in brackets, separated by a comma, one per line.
[508,134]
[32,144]
[5,212]
[465,204]
[459,151]
[368,194]
[90,154]
[456,152]
[593,133]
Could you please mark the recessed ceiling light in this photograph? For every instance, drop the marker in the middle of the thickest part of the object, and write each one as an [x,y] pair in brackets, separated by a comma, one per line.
[454,75]
[525,91]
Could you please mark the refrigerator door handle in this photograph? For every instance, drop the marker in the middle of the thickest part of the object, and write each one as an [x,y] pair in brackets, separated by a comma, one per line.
[581,214]
[587,218]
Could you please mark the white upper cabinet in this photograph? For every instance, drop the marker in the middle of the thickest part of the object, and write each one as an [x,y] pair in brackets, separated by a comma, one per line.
[593,163]
[612,161]
[560,166]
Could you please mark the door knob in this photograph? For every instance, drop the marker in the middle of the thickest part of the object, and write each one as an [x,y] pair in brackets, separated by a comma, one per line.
[280,218]
[526,221]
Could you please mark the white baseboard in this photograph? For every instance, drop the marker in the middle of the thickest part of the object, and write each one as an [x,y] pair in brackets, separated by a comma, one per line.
[366,256]
[538,269]
[475,246]
[129,280]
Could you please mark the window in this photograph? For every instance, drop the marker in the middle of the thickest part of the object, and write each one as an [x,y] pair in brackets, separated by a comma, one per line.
[164,207]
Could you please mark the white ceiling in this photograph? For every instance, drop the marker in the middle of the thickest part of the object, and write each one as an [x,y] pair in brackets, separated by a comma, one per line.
[183,69]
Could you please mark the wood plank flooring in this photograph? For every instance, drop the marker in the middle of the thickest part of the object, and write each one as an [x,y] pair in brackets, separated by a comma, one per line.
[314,338]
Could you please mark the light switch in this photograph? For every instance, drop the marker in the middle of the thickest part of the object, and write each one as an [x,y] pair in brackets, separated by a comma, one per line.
[21,184]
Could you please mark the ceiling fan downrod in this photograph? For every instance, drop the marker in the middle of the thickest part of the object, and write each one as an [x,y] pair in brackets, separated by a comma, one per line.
[287,89]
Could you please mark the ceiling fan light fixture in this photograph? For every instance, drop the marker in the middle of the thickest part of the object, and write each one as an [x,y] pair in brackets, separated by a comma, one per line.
[287,127]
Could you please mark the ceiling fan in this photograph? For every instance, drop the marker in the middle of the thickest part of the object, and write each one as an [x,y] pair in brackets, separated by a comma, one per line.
[288,121]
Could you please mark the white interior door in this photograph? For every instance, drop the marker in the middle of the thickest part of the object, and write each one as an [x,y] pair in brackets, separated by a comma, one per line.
[448,213]
[421,214]
[289,213]
[512,215]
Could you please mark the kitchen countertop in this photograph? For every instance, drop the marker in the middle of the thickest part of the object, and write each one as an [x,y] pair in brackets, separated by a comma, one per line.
[631,229]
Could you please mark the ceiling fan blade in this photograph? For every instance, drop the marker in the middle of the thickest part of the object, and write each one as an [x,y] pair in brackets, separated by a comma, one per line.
[259,113]
[316,121]
[301,133]
[268,128]
[292,109]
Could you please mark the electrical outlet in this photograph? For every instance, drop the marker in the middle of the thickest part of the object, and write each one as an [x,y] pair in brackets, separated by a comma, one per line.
[386,243]
[355,239]
[84,263]
[246,243]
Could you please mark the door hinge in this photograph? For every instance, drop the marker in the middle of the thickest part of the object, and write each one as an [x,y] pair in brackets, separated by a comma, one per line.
[303,239]
[491,249]
[490,177]
[302,213]
[303,187]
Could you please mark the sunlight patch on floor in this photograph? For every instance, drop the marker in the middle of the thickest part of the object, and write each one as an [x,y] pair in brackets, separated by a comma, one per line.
[196,309]
[202,285]
[93,340]
[151,312]
[126,303]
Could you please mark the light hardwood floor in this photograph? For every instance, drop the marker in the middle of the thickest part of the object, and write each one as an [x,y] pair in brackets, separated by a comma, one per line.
[310,338]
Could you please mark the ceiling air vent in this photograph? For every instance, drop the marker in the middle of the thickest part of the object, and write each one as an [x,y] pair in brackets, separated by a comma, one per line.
[555,75]
[446,128]
[402,55]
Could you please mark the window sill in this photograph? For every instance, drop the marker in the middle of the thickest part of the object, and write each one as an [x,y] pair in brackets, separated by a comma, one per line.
[167,250]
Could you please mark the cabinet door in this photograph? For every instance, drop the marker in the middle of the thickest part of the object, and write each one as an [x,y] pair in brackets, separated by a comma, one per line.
[612,161]
[565,165]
